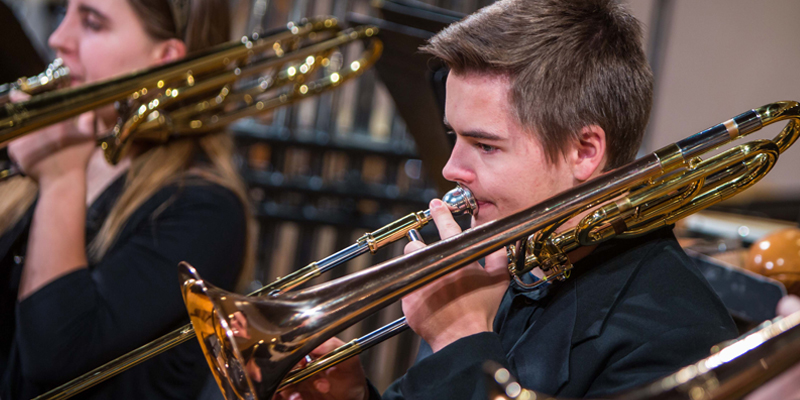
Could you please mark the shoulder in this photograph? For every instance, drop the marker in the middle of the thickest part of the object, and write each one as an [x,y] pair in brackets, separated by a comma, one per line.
[195,191]
[646,289]
[667,290]
[193,208]
[189,198]
[200,222]
[645,312]
[652,268]
[669,277]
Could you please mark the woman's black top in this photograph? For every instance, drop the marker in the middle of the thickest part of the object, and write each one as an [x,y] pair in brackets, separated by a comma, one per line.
[88,317]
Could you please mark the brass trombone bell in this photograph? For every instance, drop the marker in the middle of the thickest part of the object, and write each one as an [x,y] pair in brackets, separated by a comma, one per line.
[251,344]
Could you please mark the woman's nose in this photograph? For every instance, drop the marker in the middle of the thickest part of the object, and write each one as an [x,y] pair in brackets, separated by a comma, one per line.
[62,40]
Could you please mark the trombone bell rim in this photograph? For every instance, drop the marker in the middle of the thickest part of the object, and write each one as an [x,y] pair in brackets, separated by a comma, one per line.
[216,339]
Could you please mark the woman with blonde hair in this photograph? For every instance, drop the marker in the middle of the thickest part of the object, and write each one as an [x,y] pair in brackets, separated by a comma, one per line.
[89,251]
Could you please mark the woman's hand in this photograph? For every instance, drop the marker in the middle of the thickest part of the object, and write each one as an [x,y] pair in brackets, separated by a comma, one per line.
[461,303]
[58,150]
[345,381]
[56,157]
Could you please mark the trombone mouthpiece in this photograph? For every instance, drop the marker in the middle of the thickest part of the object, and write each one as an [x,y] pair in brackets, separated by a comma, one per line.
[460,201]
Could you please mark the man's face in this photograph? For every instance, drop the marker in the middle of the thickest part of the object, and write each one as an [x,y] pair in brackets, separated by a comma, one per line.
[495,157]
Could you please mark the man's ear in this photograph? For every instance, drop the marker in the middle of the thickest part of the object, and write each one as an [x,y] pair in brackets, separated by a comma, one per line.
[169,50]
[588,155]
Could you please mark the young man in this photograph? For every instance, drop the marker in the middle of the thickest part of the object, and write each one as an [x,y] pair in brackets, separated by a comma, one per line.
[543,95]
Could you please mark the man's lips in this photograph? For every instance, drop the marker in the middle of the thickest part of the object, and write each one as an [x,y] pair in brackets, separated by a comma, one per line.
[481,204]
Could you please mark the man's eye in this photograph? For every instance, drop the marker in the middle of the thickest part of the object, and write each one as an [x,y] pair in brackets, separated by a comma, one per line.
[486,148]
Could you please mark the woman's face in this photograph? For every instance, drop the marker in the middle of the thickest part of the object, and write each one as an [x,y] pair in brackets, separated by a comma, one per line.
[99,39]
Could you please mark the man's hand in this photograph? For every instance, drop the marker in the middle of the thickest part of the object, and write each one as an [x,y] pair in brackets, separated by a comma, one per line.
[345,381]
[461,303]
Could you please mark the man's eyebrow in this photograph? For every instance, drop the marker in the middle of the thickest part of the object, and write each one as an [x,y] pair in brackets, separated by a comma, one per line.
[479,134]
[476,134]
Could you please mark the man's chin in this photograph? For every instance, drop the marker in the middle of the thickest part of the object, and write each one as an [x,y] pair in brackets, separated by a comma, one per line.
[481,219]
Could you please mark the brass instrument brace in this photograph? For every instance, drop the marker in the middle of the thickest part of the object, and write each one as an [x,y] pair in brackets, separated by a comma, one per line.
[344,352]
[552,259]
[394,231]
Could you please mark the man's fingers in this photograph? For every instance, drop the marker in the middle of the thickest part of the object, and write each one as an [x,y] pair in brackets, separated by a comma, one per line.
[443,218]
[413,246]
[497,262]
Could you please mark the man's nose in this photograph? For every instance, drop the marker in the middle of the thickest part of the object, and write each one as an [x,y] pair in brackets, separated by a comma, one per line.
[458,168]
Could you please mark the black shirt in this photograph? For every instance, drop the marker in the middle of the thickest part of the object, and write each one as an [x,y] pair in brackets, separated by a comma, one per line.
[131,296]
[633,310]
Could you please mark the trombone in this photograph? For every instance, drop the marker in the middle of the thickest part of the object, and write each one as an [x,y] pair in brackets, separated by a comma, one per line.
[201,93]
[252,344]
[459,201]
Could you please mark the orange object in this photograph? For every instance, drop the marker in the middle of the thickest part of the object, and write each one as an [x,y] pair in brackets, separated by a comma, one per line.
[777,256]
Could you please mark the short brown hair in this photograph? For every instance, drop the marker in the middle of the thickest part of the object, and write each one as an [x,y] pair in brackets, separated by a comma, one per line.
[571,63]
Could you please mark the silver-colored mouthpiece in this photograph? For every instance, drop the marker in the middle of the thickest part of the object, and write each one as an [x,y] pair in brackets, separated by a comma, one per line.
[460,201]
